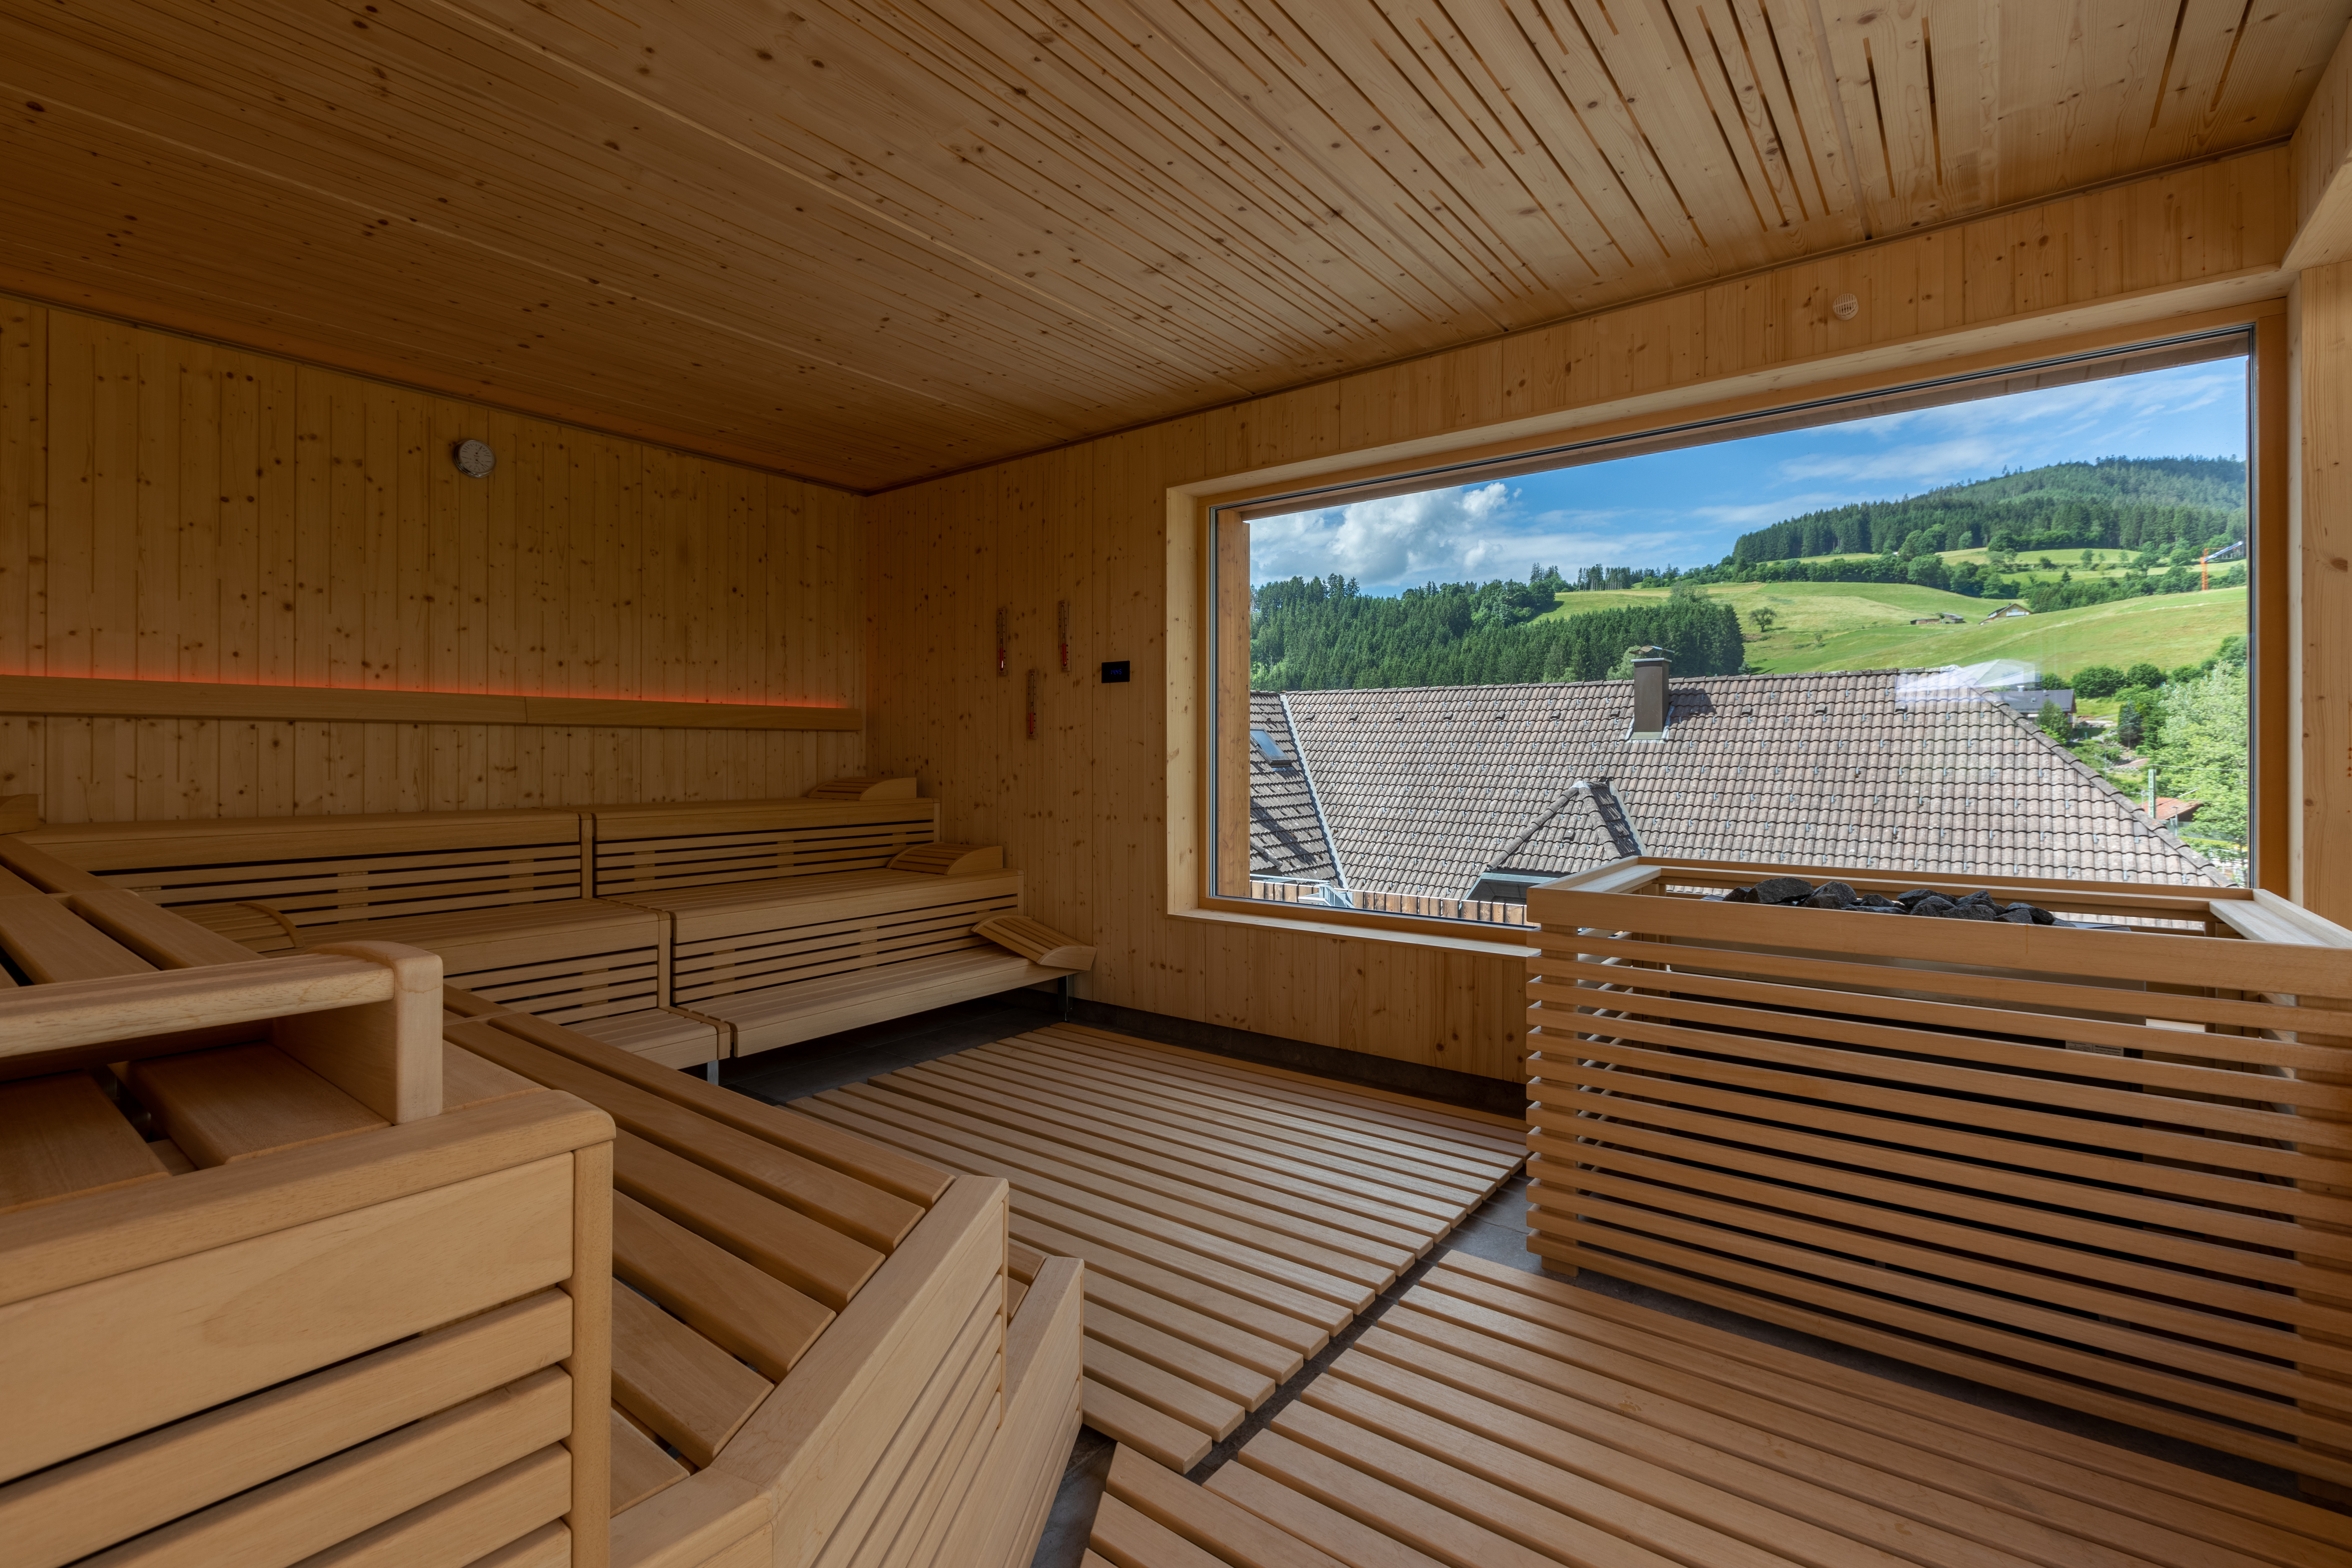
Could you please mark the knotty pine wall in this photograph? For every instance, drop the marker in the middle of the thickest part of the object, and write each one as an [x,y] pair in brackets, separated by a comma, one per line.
[1083,808]
[174,510]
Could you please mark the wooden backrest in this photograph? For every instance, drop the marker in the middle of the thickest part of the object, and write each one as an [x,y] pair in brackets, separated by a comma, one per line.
[649,849]
[329,870]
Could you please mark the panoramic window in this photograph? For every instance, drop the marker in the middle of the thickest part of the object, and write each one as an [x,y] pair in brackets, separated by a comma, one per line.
[1996,628]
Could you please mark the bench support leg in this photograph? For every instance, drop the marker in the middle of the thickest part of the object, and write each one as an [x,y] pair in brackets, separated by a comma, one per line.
[1062,985]
[711,1070]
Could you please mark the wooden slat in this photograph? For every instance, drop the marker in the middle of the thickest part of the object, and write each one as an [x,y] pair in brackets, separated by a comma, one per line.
[1042,1195]
[466,1524]
[1228,1533]
[467,1079]
[2029,1162]
[1325,1247]
[1211,1272]
[744,1311]
[640,1465]
[70,1509]
[240,1102]
[61,1136]
[788,1246]
[975,1101]
[1314,1129]
[1486,1129]
[893,1172]
[686,1389]
[1167,1440]
[178,1331]
[549,1546]
[330,1502]
[1255,1335]
[1350,1540]
[810,1009]
[963,1366]
[1497,1416]
[1152,1104]
[163,939]
[2008,1448]
[50,944]
[1170,1132]
[874,1219]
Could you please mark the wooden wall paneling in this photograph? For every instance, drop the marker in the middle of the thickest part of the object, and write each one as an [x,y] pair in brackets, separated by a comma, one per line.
[233,518]
[2323,653]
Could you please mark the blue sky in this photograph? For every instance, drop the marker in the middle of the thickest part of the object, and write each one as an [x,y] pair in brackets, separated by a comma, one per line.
[1684,509]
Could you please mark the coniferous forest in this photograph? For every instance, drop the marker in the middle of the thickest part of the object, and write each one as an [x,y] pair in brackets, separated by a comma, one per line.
[1309,633]
[2127,503]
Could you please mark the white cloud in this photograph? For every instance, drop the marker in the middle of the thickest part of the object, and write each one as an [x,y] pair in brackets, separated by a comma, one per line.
[1463,534]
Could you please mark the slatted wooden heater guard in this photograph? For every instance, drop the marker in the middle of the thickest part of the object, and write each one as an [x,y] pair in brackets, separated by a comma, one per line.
[2102,1167]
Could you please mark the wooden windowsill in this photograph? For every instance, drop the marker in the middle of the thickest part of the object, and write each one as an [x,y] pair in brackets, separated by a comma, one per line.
[1364,927]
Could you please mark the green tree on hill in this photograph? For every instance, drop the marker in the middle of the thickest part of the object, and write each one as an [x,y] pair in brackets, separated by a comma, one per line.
[2129,503]
[1320,633]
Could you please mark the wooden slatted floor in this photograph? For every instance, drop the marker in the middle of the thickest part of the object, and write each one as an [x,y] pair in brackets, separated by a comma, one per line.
[1494,1418]
[1232,1219]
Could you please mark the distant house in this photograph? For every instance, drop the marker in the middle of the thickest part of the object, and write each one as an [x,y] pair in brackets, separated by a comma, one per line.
[2029,701]
[2012,608]
[2169,811]
[1480,792]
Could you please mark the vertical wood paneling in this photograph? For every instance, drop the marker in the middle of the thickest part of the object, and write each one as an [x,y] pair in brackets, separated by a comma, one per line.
[176,509]
[947,553]
[2322,511]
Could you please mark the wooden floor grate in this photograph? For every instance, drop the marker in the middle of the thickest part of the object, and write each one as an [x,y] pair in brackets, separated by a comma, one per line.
[1495,1419]
[1232,1217]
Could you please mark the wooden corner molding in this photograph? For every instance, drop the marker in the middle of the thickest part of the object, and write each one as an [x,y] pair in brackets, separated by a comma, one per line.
[74,696]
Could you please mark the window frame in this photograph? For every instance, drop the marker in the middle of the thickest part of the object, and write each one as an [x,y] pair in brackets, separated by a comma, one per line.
[1208,585]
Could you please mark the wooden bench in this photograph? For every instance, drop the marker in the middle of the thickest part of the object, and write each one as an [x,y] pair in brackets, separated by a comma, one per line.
[642,850]
[354,1302]
[411,1276]
[778,963]
[272,883]
[683,933]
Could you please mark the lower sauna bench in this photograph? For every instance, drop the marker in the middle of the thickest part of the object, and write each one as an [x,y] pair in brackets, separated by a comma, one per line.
[1495,1419]
[823,1350]
[233,1352]
[790,959]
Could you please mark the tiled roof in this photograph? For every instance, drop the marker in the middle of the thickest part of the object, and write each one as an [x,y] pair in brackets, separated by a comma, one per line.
[1424,789]
[1286,835]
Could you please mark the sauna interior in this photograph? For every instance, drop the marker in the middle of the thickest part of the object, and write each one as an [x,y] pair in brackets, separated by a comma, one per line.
[747,817]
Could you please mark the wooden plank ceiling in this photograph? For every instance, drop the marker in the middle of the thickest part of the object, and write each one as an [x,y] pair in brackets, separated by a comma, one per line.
[869,242]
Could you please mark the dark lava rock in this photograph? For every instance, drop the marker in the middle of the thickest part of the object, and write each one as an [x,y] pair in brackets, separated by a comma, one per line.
[1844,894]
[1934,904]
[1783,890]
[1877,901]
[1825,899]
[1740,896]
[1916,895]
[2043,916]
[1965,910]
[2018,915]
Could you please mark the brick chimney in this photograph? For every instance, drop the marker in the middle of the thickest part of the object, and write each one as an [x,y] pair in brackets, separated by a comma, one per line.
[1649,700]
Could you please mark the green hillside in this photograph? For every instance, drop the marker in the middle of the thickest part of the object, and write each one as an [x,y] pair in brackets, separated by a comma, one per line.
[2166,631]
[1866,625]
[1799,610]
